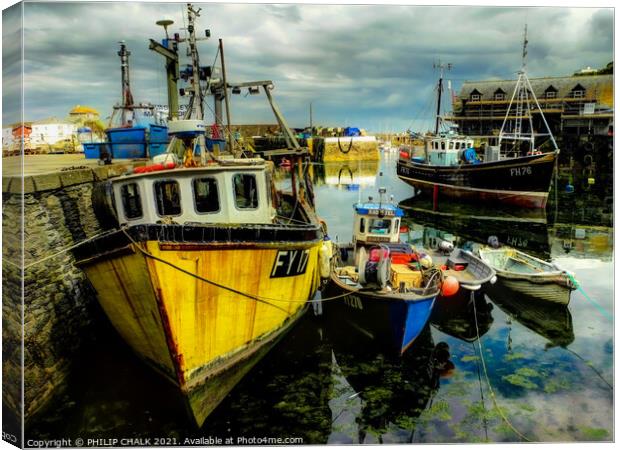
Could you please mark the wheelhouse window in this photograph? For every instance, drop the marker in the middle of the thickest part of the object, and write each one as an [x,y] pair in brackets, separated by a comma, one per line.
[167,198]
[132,204]
[246,191]
[380,226]
[206,199]
[362,225]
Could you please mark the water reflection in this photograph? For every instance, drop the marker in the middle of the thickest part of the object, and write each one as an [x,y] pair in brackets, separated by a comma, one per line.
[551,321]
[346,175]
[524,229]
[454,315]
[393,391]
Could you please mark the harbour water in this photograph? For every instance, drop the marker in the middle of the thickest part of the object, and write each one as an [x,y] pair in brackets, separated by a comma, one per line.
[550,369]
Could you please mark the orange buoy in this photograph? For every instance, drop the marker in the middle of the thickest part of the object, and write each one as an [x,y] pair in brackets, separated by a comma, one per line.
[450,286]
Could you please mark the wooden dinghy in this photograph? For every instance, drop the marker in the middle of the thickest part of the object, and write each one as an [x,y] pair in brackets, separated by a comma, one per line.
[528,275]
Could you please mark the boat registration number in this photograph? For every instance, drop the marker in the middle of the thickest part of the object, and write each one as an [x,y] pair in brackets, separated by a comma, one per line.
[520,171]
[353,301]
[289,263]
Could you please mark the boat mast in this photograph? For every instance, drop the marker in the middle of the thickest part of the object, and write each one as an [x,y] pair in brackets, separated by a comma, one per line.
[439,91]
[524,93]
[127,102]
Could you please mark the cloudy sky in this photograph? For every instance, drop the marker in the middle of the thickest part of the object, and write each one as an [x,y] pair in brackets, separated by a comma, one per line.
[366,66]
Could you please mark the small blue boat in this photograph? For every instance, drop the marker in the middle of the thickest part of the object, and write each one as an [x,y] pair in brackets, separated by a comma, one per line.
[386,292]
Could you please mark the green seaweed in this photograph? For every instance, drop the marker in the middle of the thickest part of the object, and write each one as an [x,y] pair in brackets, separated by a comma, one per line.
[555,384]
[527,372]
[595,434]
[519,380]
[513,356]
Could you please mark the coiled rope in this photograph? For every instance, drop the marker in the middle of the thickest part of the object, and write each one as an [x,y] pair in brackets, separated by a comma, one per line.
[486,375]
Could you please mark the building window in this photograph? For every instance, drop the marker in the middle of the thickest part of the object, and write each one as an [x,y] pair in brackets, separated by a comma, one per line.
[132,204]
[246,192]
[499,95]
[551,94]
[206,198]
[167,198]
[578,92]
[475,97]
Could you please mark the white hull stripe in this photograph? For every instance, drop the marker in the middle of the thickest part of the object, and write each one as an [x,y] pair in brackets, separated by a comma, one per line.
[498,191]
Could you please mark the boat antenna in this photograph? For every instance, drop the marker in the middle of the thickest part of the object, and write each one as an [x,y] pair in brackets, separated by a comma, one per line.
[165,23]
[441,68]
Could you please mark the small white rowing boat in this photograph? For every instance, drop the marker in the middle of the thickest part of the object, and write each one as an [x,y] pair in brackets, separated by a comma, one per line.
[528,275]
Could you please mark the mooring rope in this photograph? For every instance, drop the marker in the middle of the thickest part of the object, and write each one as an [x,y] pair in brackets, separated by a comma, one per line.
[60,252]
[580,289]
[486,375]
[599,374]
[228,288]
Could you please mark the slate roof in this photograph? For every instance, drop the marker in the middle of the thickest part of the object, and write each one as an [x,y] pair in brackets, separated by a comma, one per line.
[600,85]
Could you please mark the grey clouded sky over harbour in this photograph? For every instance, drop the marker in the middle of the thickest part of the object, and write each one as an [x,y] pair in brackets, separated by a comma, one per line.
[366,65]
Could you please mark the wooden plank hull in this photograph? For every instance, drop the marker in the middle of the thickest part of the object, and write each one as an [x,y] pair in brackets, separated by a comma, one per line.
[523,182]
[529,276]
[549,291]
[387,318]
[200,336]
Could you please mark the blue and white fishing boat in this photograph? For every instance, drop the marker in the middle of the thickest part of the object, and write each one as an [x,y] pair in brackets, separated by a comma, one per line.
[134,129]
[387,291]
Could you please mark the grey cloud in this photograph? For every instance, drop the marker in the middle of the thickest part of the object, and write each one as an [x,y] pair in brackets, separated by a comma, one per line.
[371,64]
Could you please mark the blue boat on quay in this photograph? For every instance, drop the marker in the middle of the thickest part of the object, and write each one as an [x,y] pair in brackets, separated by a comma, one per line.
[379,285]
[134,130]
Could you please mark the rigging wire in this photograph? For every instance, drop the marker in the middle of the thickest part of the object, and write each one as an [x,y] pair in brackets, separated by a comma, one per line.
[486,375]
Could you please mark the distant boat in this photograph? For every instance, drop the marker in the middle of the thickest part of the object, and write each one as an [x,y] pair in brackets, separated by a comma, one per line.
[133,129]
[512,173]
[528,275]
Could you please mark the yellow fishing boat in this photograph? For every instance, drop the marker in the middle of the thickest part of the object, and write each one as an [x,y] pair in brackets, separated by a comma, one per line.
[206,262]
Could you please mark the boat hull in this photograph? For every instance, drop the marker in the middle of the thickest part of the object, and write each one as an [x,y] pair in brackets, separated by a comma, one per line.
[523,181]
[529,276]
[202,337]
[548,290]
[388,318]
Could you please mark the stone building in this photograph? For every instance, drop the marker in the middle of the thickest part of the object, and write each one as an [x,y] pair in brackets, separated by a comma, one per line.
[574,105]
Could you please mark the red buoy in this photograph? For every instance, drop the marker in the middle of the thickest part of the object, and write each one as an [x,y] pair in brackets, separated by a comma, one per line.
[450,286]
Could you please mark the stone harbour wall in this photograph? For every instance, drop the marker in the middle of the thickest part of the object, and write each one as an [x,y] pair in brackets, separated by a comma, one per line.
[59,302]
